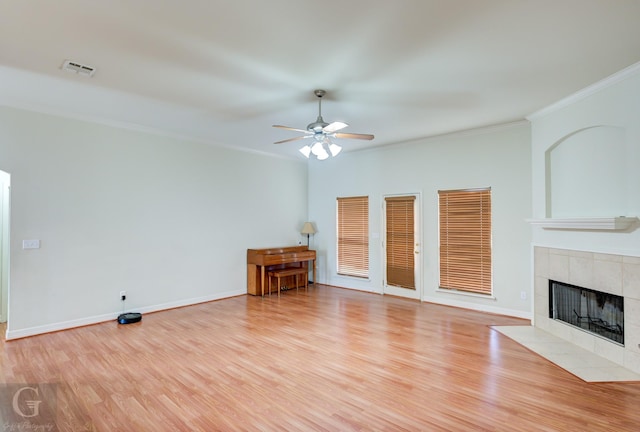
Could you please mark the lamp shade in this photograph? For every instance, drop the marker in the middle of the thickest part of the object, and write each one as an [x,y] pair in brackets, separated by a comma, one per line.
[334,149]
[308,228]
[306,150]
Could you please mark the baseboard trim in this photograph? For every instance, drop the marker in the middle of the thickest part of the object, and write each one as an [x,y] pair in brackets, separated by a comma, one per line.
[97,319]
[480,308]
[456,303]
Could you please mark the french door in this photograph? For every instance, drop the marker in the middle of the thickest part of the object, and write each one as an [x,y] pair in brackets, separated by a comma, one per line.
[402,246]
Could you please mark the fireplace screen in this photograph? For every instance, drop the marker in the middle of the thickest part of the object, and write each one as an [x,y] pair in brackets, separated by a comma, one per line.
[597,312]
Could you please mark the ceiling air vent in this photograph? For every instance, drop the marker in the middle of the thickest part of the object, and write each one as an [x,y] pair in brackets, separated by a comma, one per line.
[78,68]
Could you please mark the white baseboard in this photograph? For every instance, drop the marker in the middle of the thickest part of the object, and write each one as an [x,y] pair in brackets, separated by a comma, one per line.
[96,319]
[462,304]
[480,308]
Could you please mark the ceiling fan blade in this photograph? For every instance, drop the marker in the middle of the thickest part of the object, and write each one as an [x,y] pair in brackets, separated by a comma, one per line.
[292,139]
[354,136]
[290,128]
[334,127]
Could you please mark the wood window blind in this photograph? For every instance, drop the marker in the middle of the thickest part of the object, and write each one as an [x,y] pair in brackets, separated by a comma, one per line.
[353,236]
[465,240]
[399,241]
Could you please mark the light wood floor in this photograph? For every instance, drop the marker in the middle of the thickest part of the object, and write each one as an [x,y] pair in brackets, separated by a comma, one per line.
[324,360]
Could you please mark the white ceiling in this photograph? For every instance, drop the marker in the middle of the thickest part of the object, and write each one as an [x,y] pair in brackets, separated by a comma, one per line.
[225,71]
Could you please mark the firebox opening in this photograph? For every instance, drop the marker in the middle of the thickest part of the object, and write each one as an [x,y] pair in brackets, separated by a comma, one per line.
[596,312]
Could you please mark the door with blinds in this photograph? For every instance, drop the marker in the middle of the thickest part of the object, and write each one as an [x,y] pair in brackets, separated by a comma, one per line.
[402,246]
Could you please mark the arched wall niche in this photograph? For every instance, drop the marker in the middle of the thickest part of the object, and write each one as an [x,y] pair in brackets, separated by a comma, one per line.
[586,174]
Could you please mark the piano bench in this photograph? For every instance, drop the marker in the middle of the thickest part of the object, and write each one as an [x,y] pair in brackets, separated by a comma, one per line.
[291,271]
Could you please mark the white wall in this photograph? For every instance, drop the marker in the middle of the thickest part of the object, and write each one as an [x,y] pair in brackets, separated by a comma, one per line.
[164,219]
[610,112]
[498,157]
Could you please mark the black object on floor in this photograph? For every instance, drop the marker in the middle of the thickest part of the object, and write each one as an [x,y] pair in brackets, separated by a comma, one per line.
[129,318]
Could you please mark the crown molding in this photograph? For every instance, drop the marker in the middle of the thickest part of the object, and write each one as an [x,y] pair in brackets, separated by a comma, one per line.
[587,91]
[494,128]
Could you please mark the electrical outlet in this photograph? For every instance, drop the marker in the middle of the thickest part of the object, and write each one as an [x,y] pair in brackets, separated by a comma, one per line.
[123,295]
[523,295]
[30,244]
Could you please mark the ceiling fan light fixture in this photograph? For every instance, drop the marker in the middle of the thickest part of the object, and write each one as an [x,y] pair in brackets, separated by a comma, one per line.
[334,149]
[306,151]
[317,148]
[323,155]
[322,132]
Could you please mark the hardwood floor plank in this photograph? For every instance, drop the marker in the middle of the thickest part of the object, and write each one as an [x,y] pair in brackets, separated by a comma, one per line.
[325,359]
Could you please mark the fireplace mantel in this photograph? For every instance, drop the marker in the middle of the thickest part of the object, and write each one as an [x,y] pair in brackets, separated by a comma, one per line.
[620,223]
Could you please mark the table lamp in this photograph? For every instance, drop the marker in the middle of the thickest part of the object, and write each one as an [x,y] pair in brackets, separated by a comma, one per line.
[308,229]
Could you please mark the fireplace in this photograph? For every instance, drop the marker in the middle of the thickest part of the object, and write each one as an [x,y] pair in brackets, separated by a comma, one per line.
[596,312]
[607,273]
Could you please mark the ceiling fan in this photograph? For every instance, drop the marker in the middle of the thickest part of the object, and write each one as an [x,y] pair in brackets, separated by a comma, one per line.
[322,132]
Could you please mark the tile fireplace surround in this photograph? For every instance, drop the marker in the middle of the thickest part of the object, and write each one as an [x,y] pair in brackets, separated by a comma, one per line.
[614,274]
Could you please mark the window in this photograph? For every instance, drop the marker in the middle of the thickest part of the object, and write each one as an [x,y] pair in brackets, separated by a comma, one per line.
[465,240]
[353,236]
[399,246]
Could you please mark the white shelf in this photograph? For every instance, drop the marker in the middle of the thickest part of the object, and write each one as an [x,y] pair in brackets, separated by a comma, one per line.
[610,224]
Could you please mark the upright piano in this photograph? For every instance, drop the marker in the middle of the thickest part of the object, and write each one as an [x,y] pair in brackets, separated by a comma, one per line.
[260,261]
